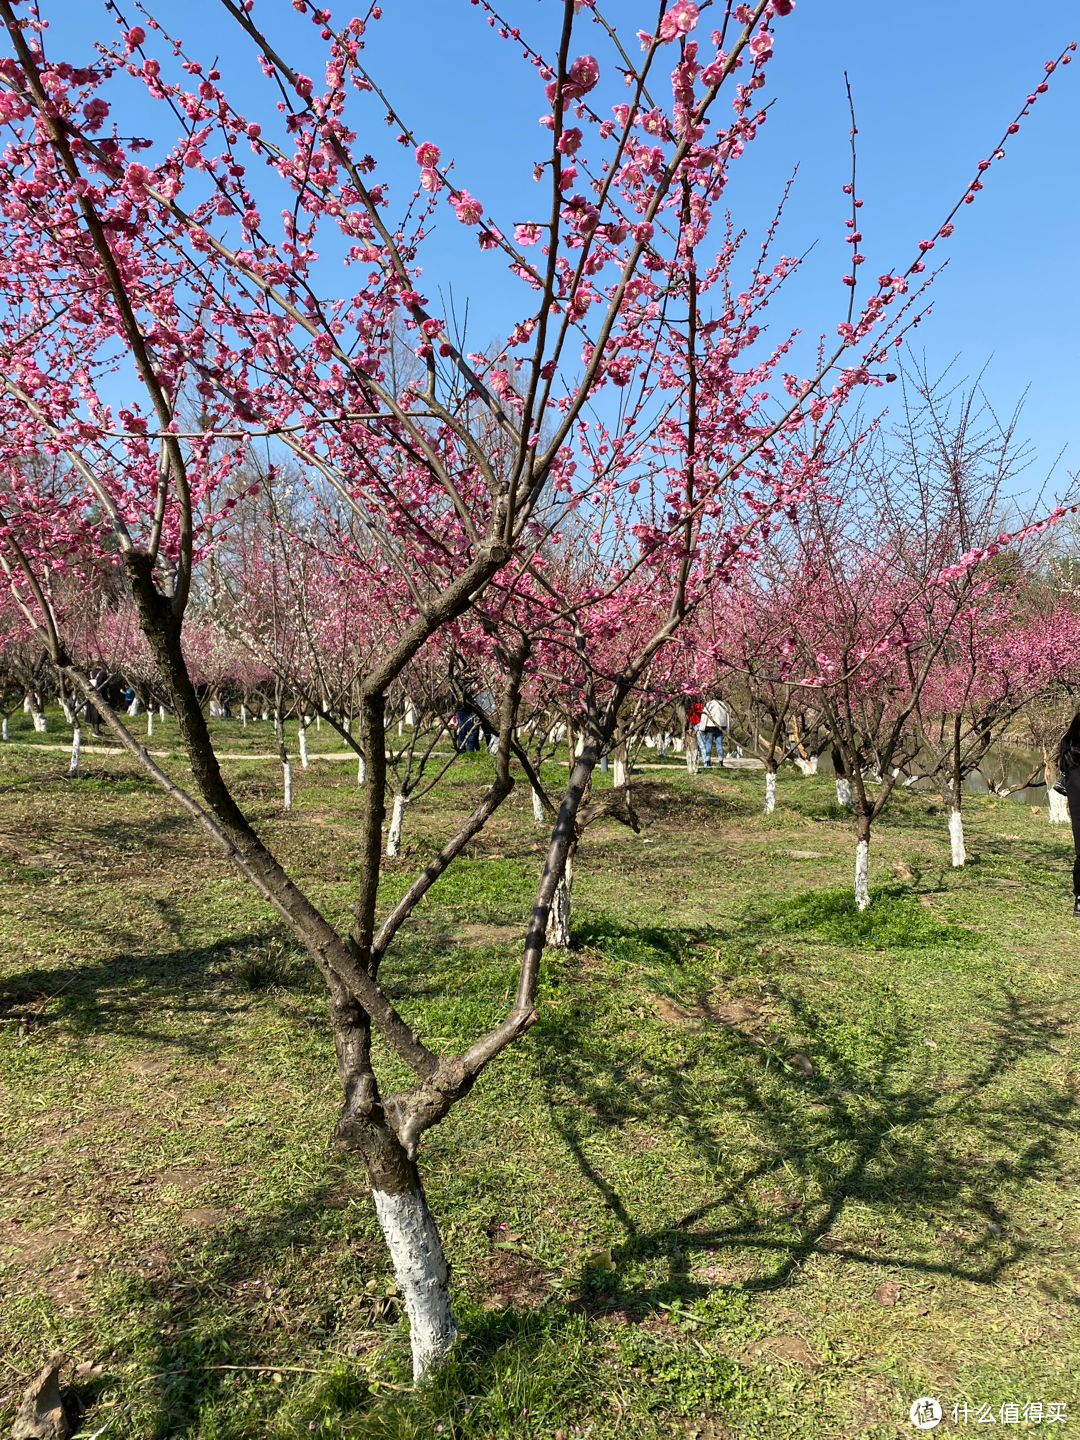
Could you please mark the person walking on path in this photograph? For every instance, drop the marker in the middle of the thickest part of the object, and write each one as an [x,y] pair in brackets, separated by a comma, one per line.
[1069,765]
[714,721]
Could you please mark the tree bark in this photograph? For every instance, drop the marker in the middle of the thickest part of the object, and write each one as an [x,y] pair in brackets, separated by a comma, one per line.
[76,750]
[770,792]
[397,820]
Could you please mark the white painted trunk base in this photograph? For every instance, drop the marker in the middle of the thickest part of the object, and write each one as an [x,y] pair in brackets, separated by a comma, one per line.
[956,839]
[76,750]
[422,1275]
[303,744]
[135,706]
[397,819]
[558,926]
[361,769]
[693,757]
[243,716]
[1057,809]
[5,734]
[26,705]
[843,792]
[69,714]
[807,767]
[287,768]
[41,722]
[770,794]
[161,713]
[618,773]
[862,875]
[538,807]
[150,722]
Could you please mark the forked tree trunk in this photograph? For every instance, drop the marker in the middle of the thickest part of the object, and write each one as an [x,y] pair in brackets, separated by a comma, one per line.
[770,792]
[397,820]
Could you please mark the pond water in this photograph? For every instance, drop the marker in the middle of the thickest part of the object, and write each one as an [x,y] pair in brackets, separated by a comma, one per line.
[1004,764]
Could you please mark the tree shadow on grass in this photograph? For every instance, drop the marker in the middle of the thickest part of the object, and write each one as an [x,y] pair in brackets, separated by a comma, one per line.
[124,994]
[878,1159]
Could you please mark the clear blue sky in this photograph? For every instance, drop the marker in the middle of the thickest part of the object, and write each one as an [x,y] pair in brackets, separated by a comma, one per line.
[933,93]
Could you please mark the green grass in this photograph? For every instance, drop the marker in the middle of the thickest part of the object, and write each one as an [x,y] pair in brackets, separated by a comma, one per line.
[765,1167]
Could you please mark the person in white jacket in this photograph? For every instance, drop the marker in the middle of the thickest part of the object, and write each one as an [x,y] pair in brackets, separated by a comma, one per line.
[714,721]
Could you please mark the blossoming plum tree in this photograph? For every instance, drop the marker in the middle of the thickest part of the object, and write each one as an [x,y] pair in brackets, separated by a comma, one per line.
[141,276]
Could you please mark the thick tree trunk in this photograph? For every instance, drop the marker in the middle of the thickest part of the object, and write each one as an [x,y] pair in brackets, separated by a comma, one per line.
[422,1274]
[843,792]
[558,925]
[41,720]
[397,820]
[862,874]
[693,754]
[1057,806]
[956,837]
[862,857]
[770,792]
[807,767]
[538,807]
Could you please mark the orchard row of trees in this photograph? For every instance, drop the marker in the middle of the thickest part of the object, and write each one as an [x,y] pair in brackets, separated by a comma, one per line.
[249,459]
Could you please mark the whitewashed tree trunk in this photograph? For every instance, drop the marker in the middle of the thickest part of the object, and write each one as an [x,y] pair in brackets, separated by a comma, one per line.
[538,807]
[303,743]
[361,769]
[410,715]
[1057,807]
[662,742]
[558,926]
[843,791]
[215,709]
[27,707]
[150,721]
[318,724]
[69,714]
[422,1275]
[266,714]
[287,768]
[770,792]
[243,717]
[618,773]
[41,722]
[956,838]
[161,714]
[134,708]
[400,729]
[76,750]
[807,767]
[693,755]
[397,820]
[862,874]
[6,733]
